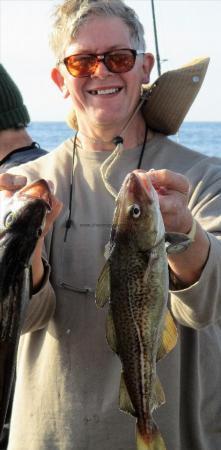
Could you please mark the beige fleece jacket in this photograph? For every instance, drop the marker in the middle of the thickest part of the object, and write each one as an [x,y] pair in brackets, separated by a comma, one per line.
[66,395]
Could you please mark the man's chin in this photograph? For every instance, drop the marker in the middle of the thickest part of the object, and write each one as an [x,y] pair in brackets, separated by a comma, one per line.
[107,120]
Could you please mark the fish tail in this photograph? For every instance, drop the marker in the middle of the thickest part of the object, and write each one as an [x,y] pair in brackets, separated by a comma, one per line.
[149,438]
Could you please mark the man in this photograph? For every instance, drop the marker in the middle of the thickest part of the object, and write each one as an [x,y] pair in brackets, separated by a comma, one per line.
[66,396]
[16,145]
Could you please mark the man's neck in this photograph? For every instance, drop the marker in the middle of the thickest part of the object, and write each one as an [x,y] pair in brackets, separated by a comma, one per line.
[103,139]
[12,139]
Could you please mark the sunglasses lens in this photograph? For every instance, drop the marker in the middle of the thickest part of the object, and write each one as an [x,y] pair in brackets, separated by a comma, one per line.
[81,65]
[120,61]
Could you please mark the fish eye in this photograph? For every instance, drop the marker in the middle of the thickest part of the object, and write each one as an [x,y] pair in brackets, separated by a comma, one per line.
[135,211]
[9,218]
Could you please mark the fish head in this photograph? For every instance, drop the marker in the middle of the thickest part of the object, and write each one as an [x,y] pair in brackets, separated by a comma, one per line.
[24,211]
[137,214]
[22,219]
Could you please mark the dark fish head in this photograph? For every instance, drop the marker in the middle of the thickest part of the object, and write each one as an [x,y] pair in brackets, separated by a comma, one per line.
[22,218]
[137,214]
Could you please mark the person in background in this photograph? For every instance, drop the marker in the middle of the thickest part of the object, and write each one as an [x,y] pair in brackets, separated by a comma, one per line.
[66,395]
[16,145]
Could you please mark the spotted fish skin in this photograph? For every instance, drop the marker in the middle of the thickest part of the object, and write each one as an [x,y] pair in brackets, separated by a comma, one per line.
[135,281]
[22,216]
[137,317]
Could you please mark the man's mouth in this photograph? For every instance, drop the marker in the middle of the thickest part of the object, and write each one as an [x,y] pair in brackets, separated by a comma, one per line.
[105,91]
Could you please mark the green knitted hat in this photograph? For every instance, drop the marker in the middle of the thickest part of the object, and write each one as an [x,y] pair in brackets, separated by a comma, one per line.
[13,112]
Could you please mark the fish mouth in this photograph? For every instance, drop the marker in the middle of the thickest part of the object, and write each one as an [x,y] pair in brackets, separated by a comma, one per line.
[39,189]
[137,184]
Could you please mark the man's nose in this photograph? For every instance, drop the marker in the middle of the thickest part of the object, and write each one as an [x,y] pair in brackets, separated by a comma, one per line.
[101,70]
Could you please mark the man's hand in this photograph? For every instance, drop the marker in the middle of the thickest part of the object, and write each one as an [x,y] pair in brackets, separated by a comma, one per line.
[173,192]
[9,182]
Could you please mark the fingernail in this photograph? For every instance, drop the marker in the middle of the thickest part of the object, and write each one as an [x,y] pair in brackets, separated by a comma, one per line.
[152,174]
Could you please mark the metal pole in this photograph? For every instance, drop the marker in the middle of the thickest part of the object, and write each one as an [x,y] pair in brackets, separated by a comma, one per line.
[156,39]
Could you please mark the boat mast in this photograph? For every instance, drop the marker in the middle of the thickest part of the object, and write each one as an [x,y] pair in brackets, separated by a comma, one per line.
[156,39]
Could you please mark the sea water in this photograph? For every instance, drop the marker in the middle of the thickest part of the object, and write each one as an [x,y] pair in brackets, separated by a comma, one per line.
[204,137]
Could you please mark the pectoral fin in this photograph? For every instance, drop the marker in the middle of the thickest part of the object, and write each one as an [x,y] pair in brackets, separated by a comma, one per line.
[168,338]
[102,293]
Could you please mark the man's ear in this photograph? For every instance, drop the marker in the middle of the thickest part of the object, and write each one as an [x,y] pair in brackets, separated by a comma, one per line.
[59,81]
[148,63]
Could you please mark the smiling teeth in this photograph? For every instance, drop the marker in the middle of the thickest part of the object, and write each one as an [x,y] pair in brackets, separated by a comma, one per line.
[105,91]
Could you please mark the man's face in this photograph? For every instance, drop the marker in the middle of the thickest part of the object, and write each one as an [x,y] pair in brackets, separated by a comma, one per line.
[94,109]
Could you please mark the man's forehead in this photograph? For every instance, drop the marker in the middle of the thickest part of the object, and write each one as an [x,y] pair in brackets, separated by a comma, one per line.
[100,34]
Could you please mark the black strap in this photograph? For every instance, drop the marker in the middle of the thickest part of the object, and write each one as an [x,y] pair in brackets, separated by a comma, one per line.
[69,220]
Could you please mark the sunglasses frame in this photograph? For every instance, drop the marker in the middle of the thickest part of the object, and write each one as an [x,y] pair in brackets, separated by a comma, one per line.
[101,57]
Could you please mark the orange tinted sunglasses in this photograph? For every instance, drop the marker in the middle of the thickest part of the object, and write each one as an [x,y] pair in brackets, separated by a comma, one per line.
[116,61]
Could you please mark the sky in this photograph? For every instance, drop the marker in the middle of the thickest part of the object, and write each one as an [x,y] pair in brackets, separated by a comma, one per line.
[186,29]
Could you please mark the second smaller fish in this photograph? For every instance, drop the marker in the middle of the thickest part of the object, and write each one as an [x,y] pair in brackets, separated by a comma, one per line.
[22,219]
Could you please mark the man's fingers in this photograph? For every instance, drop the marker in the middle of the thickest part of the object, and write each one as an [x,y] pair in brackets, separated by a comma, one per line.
[170,204]
[9,182]
[169,180]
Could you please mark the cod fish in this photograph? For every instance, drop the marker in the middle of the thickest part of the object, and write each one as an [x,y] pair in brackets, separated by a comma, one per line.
[22,218]
[139,327]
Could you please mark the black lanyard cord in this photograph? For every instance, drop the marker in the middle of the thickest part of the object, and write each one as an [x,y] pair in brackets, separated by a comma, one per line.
[69,220]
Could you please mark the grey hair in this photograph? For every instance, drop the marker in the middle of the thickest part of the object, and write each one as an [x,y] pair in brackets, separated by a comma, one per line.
[72,14]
